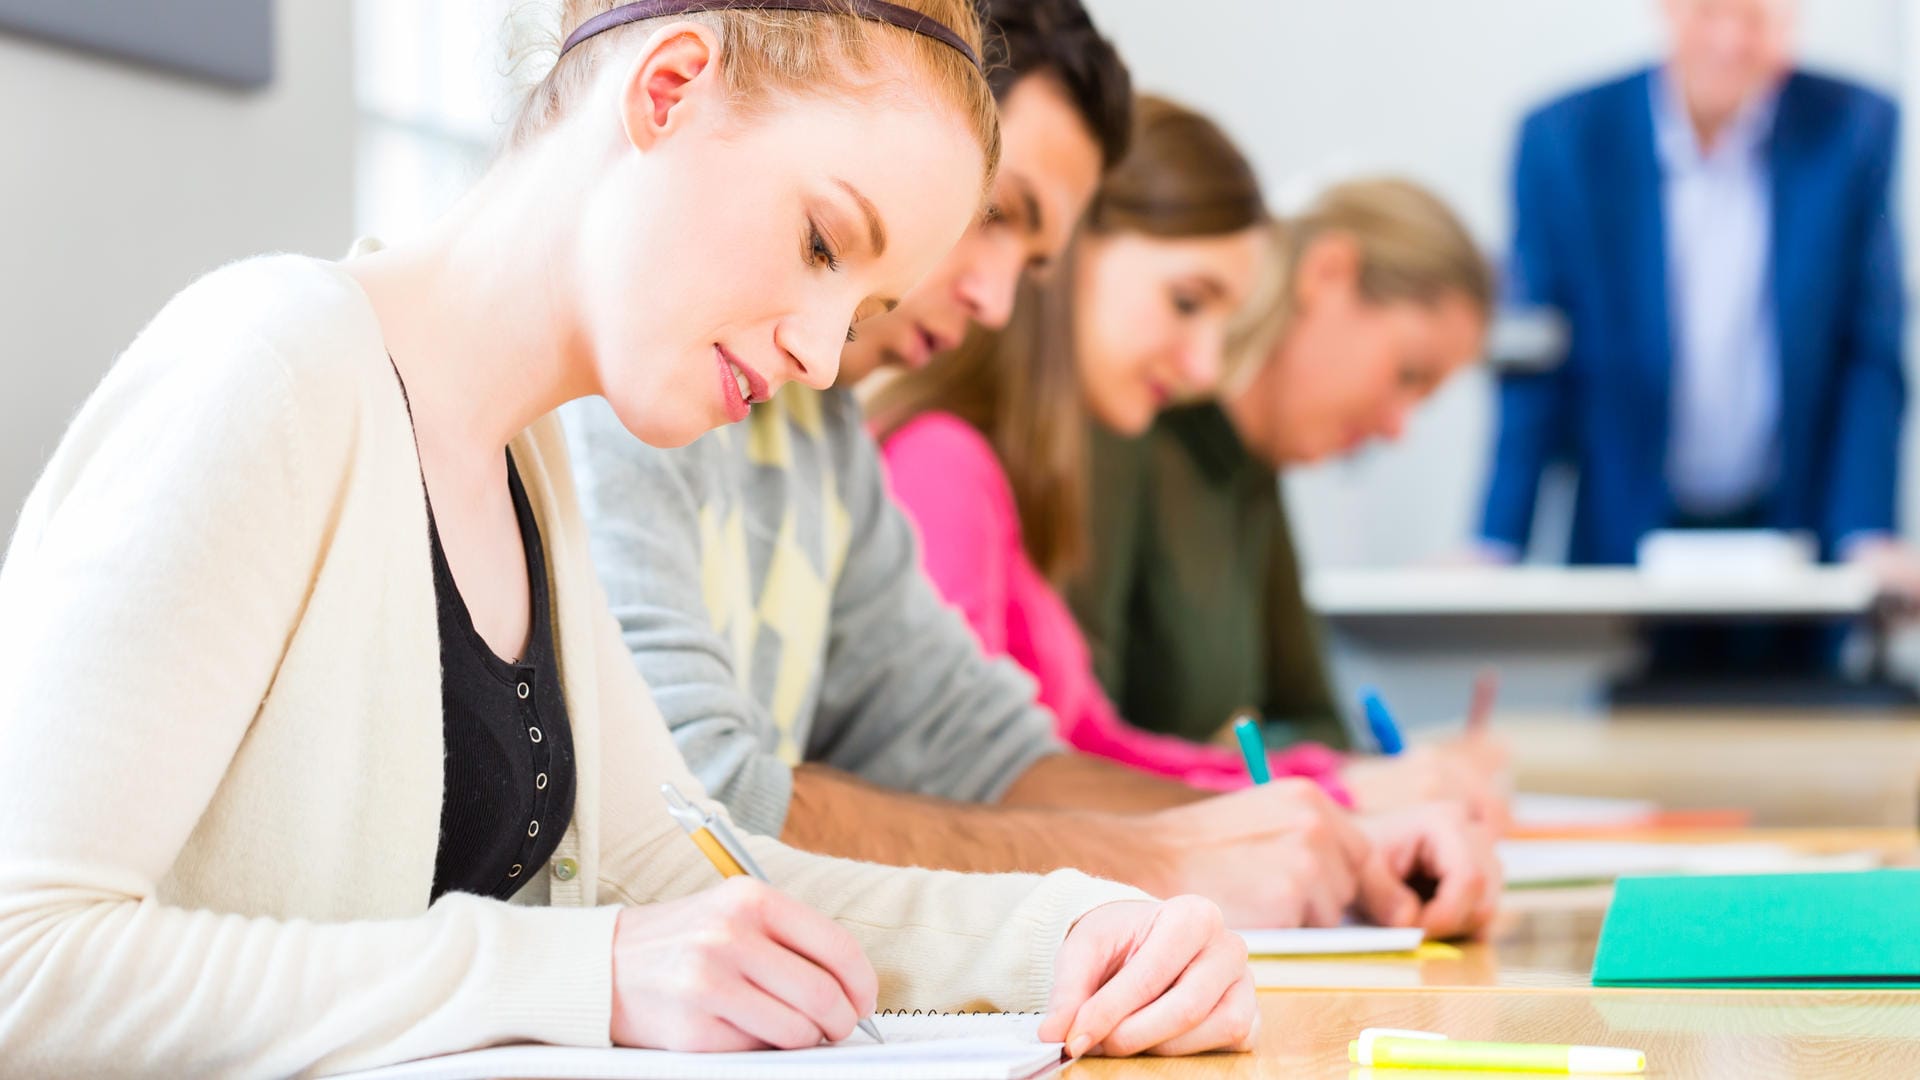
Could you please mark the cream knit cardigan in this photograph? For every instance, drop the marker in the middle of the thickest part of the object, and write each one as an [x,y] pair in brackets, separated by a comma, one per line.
[220,740]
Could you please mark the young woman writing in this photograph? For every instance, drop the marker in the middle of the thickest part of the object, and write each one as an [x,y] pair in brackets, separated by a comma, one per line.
[316,675]
[985,446]
[1192,595]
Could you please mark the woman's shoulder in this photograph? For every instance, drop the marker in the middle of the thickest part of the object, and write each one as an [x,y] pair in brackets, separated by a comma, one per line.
[939,456]
[264,367]
[290,335]
[304,310]
[944,438]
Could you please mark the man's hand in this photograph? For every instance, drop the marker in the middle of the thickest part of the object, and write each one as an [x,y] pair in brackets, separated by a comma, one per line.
[1894,566]
[1278,855]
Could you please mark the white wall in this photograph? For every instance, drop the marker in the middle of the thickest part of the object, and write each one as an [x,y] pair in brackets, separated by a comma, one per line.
[120,185]
[1317,88]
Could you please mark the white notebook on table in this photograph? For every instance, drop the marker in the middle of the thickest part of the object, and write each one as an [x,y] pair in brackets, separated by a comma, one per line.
[1333,940]
[951,1046]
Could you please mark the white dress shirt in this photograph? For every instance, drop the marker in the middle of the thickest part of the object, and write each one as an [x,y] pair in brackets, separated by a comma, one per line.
[1718,205]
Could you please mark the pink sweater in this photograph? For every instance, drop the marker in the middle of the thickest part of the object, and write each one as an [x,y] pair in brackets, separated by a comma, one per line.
[945,475]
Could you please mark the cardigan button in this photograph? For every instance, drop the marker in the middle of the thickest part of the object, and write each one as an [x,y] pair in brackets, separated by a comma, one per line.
[515,872]
[565,869]
[523,690]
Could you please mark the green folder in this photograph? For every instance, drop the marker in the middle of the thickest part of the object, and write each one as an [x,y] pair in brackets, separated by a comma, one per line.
[1752,931]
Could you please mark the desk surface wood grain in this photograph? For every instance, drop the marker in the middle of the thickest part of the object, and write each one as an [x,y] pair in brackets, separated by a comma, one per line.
[1785,767]
[1529,982]
[1721,1035]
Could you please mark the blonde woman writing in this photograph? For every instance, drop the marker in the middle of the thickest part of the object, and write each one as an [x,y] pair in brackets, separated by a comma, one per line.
[323,749]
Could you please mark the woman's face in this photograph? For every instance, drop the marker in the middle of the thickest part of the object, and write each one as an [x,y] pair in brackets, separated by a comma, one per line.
[1049,168]
[1151,315]
[727,254]
[1350,370]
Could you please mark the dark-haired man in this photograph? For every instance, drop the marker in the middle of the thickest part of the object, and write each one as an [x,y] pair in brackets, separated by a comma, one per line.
[772,596]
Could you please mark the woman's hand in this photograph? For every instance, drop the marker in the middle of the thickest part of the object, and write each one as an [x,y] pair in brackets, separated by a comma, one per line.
[1470,770]
[1440,844]
[738,967]
[1142,977]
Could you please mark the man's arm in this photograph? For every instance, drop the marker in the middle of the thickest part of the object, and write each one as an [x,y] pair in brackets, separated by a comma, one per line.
[1314,860]
[1074,781]
[1531,403]
[1865,461]
[837,813]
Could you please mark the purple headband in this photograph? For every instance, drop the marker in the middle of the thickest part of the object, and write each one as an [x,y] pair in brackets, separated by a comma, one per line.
[876,10]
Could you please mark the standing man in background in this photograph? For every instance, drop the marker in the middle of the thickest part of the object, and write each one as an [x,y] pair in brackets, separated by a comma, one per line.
[1716,233]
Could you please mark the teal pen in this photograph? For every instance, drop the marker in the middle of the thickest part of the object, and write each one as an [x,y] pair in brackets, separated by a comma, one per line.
[1386,733]
[1253,748]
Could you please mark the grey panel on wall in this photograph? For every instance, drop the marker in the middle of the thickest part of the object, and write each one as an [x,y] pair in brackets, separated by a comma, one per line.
[227,41]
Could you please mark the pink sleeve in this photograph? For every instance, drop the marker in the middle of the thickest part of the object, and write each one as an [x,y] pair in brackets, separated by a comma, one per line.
[948,480]
[1099,729]
[944,475]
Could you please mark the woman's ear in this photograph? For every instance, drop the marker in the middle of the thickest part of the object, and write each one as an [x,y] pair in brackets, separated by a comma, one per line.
[1329,267]
[670,81]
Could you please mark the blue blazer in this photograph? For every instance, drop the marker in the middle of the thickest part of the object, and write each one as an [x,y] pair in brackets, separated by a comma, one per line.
[1588,241]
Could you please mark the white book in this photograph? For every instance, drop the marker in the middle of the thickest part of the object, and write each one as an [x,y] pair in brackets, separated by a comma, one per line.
[1537,811]
[1333,940]
[954,1046]
[1556,862]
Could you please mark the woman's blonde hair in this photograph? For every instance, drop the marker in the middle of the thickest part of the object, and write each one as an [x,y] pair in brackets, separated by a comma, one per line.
[1412,247]
[1181,177]
[762,52]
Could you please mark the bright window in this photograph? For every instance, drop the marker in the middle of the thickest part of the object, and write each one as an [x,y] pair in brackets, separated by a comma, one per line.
[432,87]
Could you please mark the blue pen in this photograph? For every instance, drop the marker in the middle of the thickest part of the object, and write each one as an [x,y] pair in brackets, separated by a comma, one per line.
[1386,733]
[1253,748]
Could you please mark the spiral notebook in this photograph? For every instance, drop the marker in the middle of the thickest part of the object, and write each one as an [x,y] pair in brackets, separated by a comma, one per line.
[938,1046]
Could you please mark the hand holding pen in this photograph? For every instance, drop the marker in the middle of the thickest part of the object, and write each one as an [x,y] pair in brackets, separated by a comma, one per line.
[738,967]
[728,855]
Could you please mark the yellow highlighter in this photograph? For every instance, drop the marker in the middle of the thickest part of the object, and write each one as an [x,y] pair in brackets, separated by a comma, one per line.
[727,854]
[1393,1048]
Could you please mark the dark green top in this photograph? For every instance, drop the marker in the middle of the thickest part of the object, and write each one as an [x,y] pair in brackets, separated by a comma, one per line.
[1191,597]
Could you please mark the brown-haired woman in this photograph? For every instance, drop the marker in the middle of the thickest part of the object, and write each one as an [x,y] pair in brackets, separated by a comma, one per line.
[315,672]
[986,450]
[1170,249]
[1192,598]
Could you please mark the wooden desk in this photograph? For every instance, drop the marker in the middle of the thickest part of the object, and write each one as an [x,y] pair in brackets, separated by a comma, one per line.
[1530,983]
[1718,1035]
[1800,769]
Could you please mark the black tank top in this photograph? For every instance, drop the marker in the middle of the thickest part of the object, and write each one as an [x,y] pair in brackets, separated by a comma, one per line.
[509,766]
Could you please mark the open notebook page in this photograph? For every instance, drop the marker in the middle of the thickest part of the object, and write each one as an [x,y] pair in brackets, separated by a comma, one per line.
[972,1046]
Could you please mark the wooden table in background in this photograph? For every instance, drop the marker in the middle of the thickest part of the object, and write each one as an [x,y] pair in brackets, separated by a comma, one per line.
[1788,768]
[1530,983]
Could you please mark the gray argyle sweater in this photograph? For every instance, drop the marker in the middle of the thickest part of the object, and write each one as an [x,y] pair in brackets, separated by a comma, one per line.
[772,596]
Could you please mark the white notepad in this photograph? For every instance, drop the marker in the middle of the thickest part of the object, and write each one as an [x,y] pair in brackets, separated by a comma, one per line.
[1537,811]
[971,1046]
[1333,940]
[1557,862]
